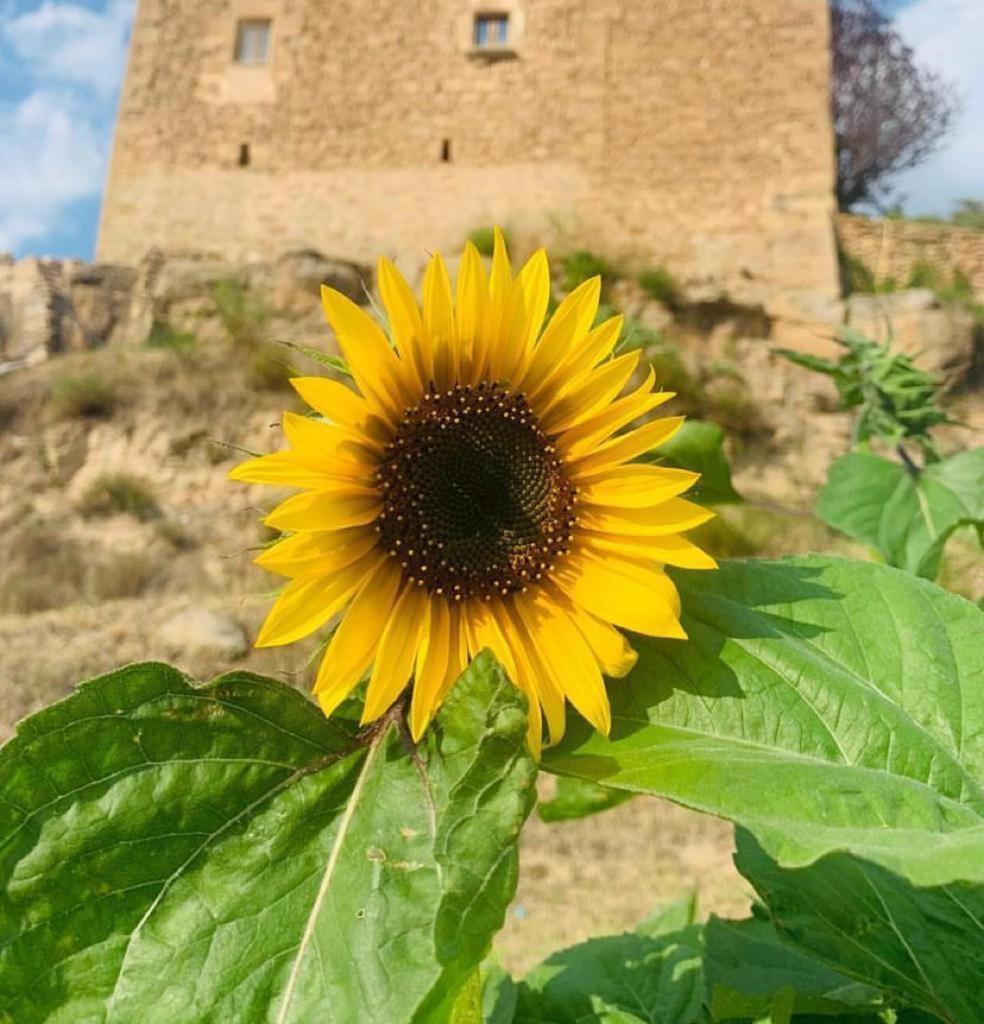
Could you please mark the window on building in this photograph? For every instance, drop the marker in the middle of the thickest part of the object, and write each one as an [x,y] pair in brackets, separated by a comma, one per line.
[253,41]
[491,31]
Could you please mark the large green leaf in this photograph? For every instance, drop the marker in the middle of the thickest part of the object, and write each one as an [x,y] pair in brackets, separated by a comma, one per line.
[576,798]
[825,704]
[907,518]
[225,853]
[699,447]
[748,970]
[921,946]
[653,974]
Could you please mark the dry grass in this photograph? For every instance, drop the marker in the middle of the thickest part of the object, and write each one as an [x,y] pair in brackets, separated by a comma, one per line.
[119,492]
[85,395]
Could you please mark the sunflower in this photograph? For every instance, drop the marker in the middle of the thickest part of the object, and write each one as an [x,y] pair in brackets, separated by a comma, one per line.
[476,490]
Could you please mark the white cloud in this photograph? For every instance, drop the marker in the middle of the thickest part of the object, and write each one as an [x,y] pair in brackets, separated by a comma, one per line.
[51,156]
[947,36]
[55,139]
[66,43]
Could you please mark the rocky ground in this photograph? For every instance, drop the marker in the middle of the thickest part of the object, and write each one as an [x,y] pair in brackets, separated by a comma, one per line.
[120,540]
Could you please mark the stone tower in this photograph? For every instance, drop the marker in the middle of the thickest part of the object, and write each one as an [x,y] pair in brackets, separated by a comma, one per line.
[694,133]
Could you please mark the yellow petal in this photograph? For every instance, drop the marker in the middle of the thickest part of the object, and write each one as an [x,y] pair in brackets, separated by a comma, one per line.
[432,666]
[336,402]
[312,554]
[532,674]
[325,510]
[675,515]
[570,661]
[670,549]
[594,393]
[308,603]
[568,326]
[351,649]
[589,433]
[312,437]
[396,654]
[291,469]
[439,320]
[613,652]
[406,322]
[625,447]
[631,594]
[471,310]
[598,344]
[373,364]
[636,485]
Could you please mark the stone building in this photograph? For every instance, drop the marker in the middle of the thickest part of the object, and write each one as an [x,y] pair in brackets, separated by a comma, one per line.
[693,133]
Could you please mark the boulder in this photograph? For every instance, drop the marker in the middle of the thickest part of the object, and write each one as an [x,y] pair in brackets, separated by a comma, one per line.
[297,278]
[205,630]
[99,298]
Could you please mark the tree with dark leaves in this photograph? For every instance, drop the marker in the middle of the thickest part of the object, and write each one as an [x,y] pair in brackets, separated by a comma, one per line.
[890,113]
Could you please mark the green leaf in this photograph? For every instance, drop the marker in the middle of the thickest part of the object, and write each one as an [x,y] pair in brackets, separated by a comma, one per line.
[747,968]
[699,447]
[906,518]
[576,798]
[225,853]
[620,979]
[824,704]
[336,363]
[921,946]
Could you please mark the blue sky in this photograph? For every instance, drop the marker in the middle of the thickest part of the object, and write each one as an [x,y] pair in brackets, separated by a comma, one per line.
[61,62]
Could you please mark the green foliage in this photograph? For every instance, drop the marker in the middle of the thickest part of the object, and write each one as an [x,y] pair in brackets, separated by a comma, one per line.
[699,447]
[658,283]
[119,492]
[856,276]
[896,401]
[83,395]
[581,265]
[225,853]
[243,313]
[922,947]
[163,335]
[906,515]
[484,240]
[792,710]
[334,363]
[749,972]
[576,798]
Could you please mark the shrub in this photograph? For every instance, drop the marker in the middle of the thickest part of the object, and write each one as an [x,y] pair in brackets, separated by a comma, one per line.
[243,313]
[484,240]
[658,284]
[163,335]
[119,492]
[83,395]
[582,265]
[856,276]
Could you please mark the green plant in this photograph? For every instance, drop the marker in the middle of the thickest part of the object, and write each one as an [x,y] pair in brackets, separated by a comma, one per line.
[581,265]
[856,276]
[119,492]
[894,399]
[163,335]
[658,283]
[243,313]
[86,395]
[304,868]
[484,240]
[904,510]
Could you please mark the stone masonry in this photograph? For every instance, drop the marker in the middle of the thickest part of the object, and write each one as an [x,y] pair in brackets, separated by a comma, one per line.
[692,133]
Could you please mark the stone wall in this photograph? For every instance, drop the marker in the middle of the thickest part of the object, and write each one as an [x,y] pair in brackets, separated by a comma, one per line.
[52,306]
[891,248]
[688,132]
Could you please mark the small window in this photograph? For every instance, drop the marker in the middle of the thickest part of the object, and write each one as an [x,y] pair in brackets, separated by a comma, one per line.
[491,31]
[253,41]
[244,155]
[446,151]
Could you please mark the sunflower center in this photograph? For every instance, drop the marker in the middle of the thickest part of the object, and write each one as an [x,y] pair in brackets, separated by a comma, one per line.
[476,502]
